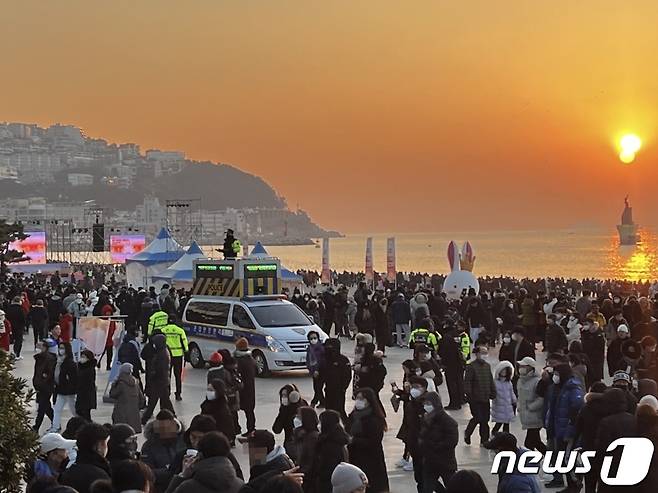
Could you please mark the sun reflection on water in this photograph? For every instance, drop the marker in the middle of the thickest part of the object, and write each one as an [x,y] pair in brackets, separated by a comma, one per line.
[634,263]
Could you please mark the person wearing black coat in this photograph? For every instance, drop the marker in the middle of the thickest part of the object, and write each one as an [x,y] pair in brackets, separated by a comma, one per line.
[16,316]
[290,400]
[555,338]
[216,405]
[370,371]
[66,384]
[382,330]
[587,424]
[453,362]
[336,373]
[619,423]
[38,317]
[85,399]
[439,435]
[90,463]
[330,451]
[129,353]
[247,369]
[157,382]
[43,382]
[593,341]
[366,424]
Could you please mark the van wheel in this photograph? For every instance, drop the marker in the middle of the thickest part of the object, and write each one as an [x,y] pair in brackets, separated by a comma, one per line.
[196,358]
[262,369]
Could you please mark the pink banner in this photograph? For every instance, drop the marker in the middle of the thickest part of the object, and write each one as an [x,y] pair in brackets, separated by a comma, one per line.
[390,259]
[370,274]
[325,278]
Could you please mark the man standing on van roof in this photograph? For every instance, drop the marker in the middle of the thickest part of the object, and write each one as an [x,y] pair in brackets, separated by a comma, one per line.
[231,247]
[177,344]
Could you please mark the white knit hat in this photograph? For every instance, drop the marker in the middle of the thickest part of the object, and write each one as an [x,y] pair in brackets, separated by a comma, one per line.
[346,478]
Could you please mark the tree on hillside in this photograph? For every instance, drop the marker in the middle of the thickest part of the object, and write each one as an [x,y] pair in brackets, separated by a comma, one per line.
[10,232]
[18,442]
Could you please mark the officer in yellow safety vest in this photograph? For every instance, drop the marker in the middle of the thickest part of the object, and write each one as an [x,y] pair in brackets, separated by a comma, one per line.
[177,344]
[465,340]
[232,246]
[157,321]
[424,333]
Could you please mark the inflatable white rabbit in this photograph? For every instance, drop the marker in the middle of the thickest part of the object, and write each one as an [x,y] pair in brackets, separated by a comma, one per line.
[460,279]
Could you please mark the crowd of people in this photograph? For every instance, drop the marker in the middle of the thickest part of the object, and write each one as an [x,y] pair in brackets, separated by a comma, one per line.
[589,334]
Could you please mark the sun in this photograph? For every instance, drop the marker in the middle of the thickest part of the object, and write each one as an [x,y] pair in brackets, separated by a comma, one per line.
[629,144]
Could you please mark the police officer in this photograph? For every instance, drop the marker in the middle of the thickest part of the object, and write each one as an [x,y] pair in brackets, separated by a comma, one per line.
[425,334]
[177,344]
[158,320]
[231,247]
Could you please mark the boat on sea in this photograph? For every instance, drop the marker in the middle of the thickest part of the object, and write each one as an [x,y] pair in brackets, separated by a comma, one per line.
[627,229]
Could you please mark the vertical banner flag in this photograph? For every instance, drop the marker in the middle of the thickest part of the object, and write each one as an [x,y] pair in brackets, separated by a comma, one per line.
[390,259]
[325,277]
[370,275]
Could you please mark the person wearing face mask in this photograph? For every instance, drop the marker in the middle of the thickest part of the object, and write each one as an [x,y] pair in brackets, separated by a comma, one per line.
[565,398]
[574,328]
[314,361]
[66,382]
[594,347]
[90,464]
[453,361]
[216,405]
[429,366]
[506,352]
[43,382]
[336,375]
[439,436]
[367,424]
[306,436]
[611,329]
[85,399]
[290,400]
[128,397]
[503,407]
[479,388]
[246,366]
[555,338]
[122,444]
[530,404]
[53,456]
[615,357]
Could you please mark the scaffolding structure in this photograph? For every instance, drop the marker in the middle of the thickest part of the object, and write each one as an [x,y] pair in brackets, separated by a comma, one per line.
[183,220]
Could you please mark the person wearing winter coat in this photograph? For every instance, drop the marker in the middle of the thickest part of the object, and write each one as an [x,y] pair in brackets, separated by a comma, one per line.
[530,404]
[617,424]
[480,388]
[365,318]
[330,450]
[612,327]
[514,481]
[401,313]
[529,318]
[370,371]
[506,352]
[647,426]
[305,441]
[503,406]
[38,317]
[66,384]
[314,361]
[336,375]
[418,308]
[587,424]
[247,368]
[129,353]
[594,344]
[290,401]
[5,332]
[439,436]
[216,405]
[453,361]
[43,382]
[164,441]
[565,398]
[366,424]
[157,381]
[90,463]
[555,338]
[268,456]
[85,399]
[129,398]
[211,471]
[574,328]
[18,321]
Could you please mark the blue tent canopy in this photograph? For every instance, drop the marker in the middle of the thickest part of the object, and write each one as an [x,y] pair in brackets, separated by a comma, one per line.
[183,269]
[162,249]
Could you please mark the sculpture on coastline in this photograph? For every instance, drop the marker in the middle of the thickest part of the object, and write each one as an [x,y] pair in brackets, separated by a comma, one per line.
[461,278]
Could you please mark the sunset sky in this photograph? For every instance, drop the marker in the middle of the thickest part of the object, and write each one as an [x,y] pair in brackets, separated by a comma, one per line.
[375,115]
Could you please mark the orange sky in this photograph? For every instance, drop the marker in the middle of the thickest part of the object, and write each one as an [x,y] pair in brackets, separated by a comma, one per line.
[372,115]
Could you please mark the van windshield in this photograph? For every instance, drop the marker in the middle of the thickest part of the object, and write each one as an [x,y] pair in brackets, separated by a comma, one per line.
[283,315]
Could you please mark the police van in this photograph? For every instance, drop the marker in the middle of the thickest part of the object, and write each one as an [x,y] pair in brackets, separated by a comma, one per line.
[239,298]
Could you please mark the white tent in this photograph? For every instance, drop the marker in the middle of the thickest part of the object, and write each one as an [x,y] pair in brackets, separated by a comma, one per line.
[181,272]
[154,259]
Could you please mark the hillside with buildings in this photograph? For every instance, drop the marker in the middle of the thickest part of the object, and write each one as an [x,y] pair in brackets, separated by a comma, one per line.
[60,174]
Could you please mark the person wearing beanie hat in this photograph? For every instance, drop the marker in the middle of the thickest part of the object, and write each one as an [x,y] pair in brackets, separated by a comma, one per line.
[246,366]
[347,478]
[129,399]
[649,400]
[122,444]
[615,357]
[622,380]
